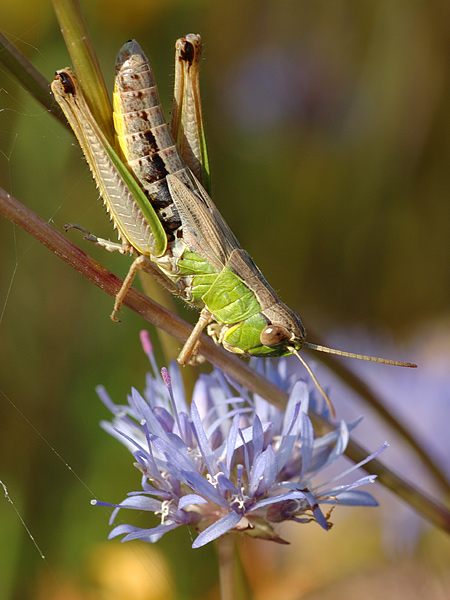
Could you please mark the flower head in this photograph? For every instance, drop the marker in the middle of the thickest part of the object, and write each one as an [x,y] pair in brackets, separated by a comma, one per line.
[227,462]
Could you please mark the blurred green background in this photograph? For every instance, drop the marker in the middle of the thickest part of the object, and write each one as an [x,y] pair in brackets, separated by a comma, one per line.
[328,126]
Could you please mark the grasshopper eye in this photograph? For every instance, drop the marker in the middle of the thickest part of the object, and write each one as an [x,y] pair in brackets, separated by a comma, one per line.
[274,335]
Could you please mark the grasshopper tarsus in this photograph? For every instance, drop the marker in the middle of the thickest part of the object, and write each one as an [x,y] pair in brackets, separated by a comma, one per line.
[118,305]
[196,360]
[69,226]
[87,235]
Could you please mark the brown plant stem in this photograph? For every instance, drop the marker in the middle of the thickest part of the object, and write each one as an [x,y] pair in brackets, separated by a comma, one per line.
[22,216]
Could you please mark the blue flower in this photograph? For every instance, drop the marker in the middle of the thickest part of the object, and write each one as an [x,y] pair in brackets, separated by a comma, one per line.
[227,462]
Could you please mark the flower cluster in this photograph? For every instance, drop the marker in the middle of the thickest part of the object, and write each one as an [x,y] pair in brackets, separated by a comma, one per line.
[227,462]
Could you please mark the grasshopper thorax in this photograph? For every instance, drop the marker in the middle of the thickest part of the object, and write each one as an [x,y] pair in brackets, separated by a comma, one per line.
[273,331]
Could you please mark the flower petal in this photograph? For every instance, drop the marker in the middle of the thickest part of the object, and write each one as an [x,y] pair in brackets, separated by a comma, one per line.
[217,529]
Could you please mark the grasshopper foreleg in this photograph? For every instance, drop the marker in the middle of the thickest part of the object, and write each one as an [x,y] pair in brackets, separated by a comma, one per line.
[190,348]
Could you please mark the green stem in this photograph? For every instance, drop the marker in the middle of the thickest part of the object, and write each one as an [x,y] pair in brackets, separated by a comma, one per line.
[232,579]
[85,62]
[22,216]
[226,556]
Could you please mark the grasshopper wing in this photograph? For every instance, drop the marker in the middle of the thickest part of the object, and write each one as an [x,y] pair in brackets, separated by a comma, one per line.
[204,229]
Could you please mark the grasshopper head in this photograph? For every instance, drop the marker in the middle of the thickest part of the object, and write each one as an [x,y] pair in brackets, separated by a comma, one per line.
[284,330]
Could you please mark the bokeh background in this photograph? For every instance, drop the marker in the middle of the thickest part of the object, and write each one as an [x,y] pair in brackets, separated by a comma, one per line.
[328,125]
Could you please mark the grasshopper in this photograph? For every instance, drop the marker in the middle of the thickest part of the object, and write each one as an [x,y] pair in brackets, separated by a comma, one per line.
[151,188]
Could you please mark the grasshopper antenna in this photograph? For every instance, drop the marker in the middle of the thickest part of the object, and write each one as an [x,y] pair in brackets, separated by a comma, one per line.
[385,361]
[316,382]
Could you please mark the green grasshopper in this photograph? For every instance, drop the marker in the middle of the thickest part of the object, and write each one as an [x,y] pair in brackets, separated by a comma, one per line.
[151,188]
